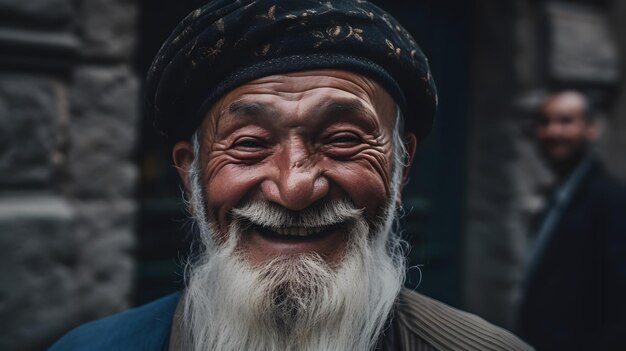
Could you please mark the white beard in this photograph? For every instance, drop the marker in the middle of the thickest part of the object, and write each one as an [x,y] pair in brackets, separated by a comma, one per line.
[297,302]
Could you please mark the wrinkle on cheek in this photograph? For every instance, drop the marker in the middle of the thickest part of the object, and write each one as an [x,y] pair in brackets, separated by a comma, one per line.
[215,188]
[216,158]
[378,157]
[362,183]
[215,165]
[378,164]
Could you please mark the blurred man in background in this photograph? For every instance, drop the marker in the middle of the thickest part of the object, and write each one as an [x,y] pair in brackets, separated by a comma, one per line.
[574,290]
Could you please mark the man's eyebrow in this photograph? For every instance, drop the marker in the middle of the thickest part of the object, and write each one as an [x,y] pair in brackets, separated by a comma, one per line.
[353,110]
[247,108]
[352,106]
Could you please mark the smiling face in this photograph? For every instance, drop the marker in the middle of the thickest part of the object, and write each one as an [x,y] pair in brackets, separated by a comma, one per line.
[563,131]
[298,141]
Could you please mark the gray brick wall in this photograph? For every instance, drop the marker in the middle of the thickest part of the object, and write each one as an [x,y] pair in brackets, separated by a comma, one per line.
[68,130]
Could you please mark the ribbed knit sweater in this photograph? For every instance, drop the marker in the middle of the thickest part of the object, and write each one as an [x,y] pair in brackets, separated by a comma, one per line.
[423,324]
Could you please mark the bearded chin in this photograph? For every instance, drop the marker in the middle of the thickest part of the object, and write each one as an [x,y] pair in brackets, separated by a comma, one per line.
[291,302]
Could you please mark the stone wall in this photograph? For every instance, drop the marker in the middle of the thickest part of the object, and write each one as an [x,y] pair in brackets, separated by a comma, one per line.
[68,116]
[616,133]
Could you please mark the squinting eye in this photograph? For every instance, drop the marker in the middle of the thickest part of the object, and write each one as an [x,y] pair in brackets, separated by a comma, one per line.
[345,139]
[248,143]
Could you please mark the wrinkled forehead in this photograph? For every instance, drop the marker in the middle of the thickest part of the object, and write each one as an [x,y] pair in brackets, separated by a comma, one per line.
[310,93]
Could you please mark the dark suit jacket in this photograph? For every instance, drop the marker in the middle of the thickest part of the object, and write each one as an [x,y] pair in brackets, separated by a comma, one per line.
[576,300]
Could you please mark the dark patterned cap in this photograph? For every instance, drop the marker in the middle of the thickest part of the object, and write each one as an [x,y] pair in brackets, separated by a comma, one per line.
[228,43]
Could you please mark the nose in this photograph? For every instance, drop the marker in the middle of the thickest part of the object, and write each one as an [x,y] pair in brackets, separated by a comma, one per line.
[298,181]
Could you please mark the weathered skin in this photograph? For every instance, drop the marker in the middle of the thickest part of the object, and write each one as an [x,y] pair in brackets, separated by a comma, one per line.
[296,139]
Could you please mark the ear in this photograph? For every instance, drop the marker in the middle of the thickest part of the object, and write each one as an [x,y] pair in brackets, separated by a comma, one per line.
[594,128]
[183,156]
[410,142]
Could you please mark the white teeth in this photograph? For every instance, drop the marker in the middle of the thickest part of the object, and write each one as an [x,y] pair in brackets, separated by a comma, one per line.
[297,231]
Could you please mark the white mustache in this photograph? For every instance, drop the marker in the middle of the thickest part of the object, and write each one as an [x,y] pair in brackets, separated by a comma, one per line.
[276,217]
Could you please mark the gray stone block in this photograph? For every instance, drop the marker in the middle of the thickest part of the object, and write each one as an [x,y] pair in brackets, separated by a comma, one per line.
[103,132]
[104,109]
[47,11]
[101,176]
[39,251]
[29,110]
[68,263]
[107,28]
[581,47]
[37,49]
[105,229]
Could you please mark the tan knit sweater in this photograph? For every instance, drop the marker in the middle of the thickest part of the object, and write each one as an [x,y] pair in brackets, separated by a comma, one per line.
[423,324]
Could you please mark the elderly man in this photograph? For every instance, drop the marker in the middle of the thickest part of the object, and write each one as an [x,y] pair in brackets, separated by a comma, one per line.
[293,126]
[575,284]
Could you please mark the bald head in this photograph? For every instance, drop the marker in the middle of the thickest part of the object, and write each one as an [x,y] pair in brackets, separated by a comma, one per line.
[569,101]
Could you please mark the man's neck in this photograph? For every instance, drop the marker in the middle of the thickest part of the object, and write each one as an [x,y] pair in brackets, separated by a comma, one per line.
[564,170]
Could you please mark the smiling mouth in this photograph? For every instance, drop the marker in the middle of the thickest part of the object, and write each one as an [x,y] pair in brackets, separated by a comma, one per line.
[295,233]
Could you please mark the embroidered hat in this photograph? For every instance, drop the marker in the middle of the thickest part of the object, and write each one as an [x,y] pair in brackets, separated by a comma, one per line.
[225,44]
